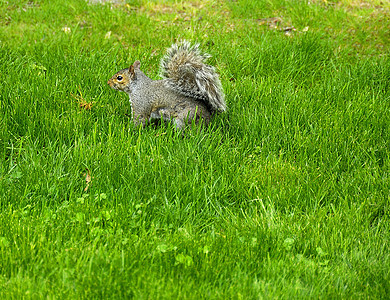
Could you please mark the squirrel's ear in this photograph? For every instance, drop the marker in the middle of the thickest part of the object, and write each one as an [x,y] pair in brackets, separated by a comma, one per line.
[132,68]
[137,64]
[131,71]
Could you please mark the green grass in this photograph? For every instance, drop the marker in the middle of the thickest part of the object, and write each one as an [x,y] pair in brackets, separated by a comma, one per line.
[284,196]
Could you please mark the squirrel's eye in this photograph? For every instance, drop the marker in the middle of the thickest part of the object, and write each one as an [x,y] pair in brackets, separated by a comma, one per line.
[119,77]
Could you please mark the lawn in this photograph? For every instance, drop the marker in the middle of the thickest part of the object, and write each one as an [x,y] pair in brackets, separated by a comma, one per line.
[286,195]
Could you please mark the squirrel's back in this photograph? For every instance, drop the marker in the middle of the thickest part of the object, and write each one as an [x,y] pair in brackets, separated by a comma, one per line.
[184,70]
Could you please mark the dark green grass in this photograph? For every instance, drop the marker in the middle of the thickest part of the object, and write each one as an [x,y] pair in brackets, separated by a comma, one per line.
[284,196]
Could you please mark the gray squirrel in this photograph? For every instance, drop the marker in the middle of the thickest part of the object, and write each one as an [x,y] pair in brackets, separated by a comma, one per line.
[189,91]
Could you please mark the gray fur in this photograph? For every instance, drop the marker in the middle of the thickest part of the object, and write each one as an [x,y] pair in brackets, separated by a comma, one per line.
[190,91]
[184,70]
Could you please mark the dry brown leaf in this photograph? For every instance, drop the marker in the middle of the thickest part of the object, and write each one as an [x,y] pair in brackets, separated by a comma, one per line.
[80,99]
[273,22]
[88,179]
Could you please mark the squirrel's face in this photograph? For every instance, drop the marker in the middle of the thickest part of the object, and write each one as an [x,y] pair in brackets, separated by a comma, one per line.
[120,81]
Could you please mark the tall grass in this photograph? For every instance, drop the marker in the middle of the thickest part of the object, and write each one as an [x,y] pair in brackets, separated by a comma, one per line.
[284,196]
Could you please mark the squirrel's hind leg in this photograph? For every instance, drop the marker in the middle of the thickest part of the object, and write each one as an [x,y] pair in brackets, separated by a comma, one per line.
[180,124]
[160,113]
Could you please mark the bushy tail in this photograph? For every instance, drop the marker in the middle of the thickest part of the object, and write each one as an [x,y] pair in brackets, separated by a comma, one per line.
[184,70]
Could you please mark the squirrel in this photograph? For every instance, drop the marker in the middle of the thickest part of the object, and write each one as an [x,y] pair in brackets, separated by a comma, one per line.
[190,89]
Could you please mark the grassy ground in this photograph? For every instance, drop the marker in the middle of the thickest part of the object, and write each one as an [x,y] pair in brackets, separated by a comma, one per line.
[284,196]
